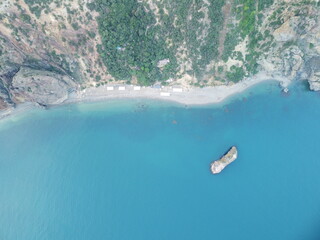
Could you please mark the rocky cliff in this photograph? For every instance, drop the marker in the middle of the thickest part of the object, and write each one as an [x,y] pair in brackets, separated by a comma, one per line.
[49,48]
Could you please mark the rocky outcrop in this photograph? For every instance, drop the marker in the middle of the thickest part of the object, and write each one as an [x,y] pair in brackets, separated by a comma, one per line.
[312,73]
[296,49]
[19,84]
[40,86]
[27,79]
[292,59]
[286,32]
[287,63]
[229,157]
[314,81]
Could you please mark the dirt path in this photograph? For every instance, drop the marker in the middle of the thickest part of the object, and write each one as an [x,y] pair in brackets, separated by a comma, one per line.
[226,9]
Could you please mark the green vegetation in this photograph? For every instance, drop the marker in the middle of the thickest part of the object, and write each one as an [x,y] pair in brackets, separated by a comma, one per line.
[232,39]
[133,44]
[136,35]
[262,4]
[26,18]
[248,16]
[75,26]
[62,63]
[98,78]
[187,25]
[248,12]
[129,44]
[91,34]
[37,6]
[236,74]
[288,44]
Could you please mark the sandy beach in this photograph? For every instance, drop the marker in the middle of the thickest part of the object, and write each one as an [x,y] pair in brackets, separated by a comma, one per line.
[187,96]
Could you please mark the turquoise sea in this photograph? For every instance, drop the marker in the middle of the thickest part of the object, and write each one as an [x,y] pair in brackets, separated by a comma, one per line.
[139,170]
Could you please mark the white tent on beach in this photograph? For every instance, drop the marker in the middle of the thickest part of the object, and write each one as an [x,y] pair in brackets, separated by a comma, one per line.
[177,89]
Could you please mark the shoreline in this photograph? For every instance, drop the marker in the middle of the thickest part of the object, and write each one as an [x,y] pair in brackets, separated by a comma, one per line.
[191,96]
[188,96]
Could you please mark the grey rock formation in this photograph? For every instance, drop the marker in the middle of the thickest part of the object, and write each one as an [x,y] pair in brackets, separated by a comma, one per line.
[295,54]
[286,32]
[229,157]
[312,73]
[314,81]
[25,79]
[40,86]
[292,61]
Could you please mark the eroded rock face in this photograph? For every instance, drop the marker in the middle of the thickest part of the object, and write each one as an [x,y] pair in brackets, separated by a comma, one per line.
[295,54]
[43,87]
[286,32]
[292,61]
[314,81]
[23,79]
[287,63]
[312,73]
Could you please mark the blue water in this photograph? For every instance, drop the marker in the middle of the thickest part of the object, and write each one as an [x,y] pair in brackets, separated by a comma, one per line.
[122,171]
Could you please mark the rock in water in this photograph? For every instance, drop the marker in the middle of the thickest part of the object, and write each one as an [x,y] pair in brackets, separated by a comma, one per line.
[218,165]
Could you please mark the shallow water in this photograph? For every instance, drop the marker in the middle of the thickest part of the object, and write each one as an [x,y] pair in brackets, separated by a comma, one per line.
[126,171]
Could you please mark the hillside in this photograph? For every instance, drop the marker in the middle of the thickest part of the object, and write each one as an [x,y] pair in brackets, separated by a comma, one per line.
[49,48]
